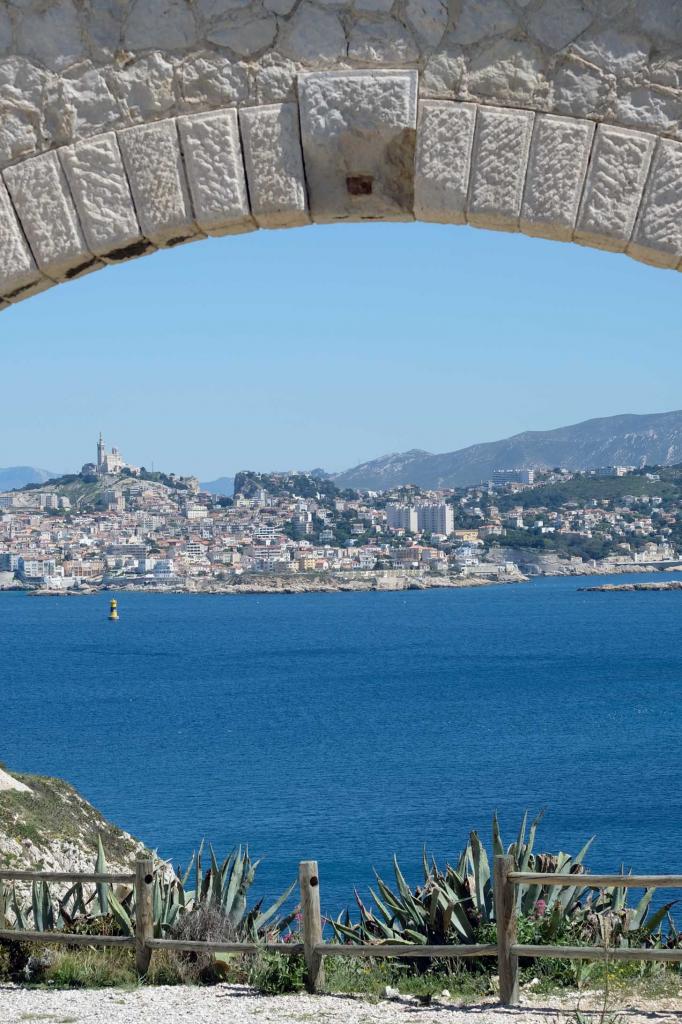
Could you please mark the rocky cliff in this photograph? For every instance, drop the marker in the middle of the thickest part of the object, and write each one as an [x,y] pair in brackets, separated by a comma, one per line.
[46,824]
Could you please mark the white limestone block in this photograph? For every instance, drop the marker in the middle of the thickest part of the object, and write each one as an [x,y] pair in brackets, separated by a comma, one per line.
[657,237]
[101,192]
[498,167]
[445,136]
[215,170]
[19,275]
[358,130]
[41,197]
[559,155]
[613,189]
[274,165]
[153,162]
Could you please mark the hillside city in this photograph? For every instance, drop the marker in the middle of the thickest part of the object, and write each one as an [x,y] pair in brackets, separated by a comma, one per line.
[117,525]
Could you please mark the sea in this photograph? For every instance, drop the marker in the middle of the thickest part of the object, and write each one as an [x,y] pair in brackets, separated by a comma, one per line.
[346,728]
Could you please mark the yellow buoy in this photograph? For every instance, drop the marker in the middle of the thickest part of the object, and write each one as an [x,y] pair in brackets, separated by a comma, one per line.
[113,611]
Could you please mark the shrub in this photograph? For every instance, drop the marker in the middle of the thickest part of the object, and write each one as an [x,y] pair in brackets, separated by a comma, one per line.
[276,973]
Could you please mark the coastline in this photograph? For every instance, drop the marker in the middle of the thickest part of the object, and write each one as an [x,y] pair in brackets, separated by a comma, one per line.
[336,583]
[284,585]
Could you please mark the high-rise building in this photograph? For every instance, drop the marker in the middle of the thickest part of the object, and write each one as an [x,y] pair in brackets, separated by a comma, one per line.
[436,518]
[402,517]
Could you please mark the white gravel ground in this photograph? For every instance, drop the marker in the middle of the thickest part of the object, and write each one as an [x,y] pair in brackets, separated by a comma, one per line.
[232,1004]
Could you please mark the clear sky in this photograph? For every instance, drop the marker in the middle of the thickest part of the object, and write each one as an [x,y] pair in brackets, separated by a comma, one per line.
[327,346]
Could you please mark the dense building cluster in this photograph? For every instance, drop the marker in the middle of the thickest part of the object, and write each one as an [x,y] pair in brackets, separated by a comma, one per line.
[114,524]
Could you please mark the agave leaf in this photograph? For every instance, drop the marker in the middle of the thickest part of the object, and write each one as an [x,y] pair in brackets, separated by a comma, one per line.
[37,906]
[640,911]
[498,846]
[425,866]
[120,915]
[344,931]
[198,889]
[102,887]
[652,924]
[183,877]
[482,886]
[388,917]
[563,868]
[215,889]
[235,881]
[48,913]
[518,848]
[20,917]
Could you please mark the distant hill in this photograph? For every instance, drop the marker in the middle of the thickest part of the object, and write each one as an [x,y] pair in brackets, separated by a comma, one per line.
[223,485]
[626,440]
[14,477]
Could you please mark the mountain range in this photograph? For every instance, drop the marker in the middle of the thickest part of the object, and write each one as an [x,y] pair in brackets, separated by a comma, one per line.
[224,485]
[626,440]
[18,476]
[653,439]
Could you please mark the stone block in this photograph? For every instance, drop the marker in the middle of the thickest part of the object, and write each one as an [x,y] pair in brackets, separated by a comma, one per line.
[358,130]
[101,192]
[274,165]
[559,155]
[215,170]
[445,135]
[42,200]
[613,189]
[498,167]
[153,163]
[19,275]
[657,236]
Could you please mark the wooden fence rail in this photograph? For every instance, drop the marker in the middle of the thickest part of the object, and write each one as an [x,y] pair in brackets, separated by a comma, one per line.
[507,949]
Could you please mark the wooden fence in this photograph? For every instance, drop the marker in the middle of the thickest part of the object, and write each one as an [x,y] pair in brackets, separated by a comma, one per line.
[314,949]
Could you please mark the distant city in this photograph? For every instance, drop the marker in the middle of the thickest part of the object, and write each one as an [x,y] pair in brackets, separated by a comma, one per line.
[116,525]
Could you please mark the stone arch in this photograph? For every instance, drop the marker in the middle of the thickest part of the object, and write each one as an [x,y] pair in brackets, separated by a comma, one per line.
[132,125]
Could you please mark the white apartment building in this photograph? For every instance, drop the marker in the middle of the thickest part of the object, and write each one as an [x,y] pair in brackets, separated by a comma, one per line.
[436,518]
[402,517]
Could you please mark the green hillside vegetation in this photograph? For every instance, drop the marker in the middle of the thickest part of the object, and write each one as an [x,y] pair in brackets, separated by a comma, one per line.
[586,488]
[566,545]
[303,485]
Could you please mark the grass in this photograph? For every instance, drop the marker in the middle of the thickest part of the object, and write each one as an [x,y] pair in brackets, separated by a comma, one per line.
[91,968]
[602,985]
[372,977]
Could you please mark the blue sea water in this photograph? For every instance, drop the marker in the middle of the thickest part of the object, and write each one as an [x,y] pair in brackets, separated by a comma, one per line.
[347,727]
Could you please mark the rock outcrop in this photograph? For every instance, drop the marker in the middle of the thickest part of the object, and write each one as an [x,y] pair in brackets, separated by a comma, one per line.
[46,824]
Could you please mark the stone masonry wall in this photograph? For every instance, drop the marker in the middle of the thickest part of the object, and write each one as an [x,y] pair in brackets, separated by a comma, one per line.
[128,125]
[70,69]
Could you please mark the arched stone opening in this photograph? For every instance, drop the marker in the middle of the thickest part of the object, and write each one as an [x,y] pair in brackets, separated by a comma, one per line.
[133,125]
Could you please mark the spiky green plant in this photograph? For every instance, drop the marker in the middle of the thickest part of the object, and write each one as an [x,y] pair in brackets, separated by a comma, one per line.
[456,904]
[223,887]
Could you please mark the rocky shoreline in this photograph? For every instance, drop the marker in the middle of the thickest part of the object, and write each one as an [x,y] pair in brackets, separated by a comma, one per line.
[629,588]
[333,583]
[288,585]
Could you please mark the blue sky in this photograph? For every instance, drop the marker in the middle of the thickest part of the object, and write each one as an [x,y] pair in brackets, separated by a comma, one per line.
[326,346]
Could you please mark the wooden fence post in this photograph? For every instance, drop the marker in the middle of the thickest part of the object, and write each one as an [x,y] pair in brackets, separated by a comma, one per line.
[144,913]
[505,917]
[3,907]
[312,923]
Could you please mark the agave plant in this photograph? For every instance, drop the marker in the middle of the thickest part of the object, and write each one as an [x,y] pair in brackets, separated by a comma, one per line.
[222,887]
[456,904]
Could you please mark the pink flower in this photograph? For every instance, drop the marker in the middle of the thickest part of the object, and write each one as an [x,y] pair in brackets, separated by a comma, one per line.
[540,908]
